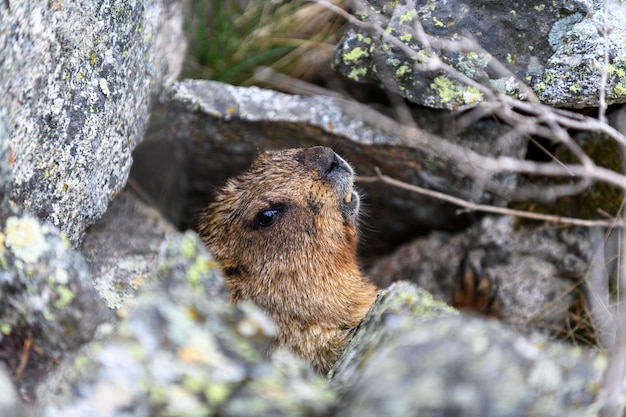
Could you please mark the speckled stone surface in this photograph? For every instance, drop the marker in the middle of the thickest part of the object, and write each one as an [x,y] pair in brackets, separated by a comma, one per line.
[77,82]
[554,47]
[9,403]
[44,284]
[184,351]
[413,356]
[121,249]
[535,269]
[5,159]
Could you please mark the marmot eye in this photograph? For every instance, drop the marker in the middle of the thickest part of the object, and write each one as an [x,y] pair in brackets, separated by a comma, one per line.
[267,217]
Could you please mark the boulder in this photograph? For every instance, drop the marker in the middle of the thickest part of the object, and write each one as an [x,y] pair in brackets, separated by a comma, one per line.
[536,270]
[47,300]
[78,81]
[121,249]
[557,48]
[183,350]
[413,355]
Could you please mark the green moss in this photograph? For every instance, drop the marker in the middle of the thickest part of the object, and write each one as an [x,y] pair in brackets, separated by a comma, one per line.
[574,88]
[201,267]
[540,7]
[81,361]
[402,71]
[5,328]
[365,39]
[24,237]
[217,393]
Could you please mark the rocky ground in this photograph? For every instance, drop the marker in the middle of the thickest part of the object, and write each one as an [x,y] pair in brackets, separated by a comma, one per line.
[108,309]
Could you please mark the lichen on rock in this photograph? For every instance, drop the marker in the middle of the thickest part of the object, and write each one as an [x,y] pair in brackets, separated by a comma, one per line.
[44,285]
[78,81]
[557,49]
[184,350]
[405,362]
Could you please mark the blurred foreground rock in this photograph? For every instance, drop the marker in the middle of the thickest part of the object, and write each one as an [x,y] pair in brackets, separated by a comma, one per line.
[47,301]
[415,356]
[183,350]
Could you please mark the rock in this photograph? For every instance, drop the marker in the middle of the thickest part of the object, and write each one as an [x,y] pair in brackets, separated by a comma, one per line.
[554,47]
[214,130]
[78,81]
[536,269]
[48,306]
[9,402]
[183,350]
[121,249]
[414,356]
[45,284]
[5,160]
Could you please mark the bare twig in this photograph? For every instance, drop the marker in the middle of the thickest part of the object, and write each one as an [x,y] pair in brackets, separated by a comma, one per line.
[470,206]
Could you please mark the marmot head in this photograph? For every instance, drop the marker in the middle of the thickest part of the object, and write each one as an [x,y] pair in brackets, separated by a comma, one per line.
[284,234]
[285,231]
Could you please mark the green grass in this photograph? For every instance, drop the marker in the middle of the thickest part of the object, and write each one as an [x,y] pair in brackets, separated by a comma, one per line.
[228,40]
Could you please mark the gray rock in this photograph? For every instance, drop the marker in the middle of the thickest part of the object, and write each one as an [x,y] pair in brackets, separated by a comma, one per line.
[414,356]
[121,249]
[9,402]
[44,285]
[5,160]
[77,83]
[554,47]
[536,269]
[48,306]
[214,130]
[183,350]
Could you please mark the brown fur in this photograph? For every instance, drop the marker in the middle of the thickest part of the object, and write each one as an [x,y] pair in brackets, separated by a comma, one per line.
[301,269]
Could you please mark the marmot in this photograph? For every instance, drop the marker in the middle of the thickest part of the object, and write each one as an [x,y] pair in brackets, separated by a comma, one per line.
[285,235]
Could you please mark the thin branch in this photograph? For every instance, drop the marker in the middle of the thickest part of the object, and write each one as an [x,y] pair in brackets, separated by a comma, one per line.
[470,206]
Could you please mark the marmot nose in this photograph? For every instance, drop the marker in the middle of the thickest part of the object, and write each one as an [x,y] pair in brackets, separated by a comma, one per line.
[325,161]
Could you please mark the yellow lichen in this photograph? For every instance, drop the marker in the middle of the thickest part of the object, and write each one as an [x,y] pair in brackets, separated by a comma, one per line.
[65,297]
[620,89]
[355,54]
[408,16]
[23,236]
[445,88]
